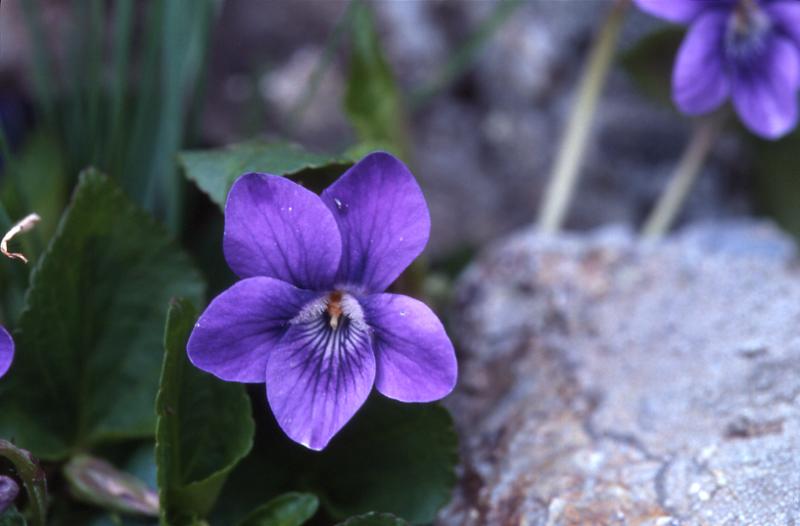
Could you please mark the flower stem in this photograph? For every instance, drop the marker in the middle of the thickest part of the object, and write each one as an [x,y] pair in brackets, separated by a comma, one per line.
[684,177]
[564,176]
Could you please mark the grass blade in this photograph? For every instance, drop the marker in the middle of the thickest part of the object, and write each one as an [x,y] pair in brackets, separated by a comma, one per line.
[43,77]
[465,55]
[120,56]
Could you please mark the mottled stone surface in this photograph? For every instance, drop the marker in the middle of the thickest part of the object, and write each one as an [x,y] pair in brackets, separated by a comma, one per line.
[610,382]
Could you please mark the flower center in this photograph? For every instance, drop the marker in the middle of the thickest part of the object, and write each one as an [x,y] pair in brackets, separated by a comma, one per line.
[335,309]
[747,29]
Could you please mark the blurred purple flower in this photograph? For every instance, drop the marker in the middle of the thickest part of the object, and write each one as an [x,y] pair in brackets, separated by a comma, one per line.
[309,316]
[6,351]
[8,492]
[748,50]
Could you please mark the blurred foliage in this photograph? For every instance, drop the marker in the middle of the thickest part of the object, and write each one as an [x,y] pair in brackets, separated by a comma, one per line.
[132,135]
[466,53]
[12,517]
[776,181]
[337,36]
[650,61]
[36,181]
[372,100]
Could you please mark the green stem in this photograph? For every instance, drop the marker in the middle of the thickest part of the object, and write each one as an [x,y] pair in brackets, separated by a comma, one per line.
[564,177]
[671,201]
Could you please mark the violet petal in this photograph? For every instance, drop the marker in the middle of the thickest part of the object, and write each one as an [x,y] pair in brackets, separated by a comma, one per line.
[680,11]
[234,336]
[8,492]
[785,14]
[319,378]
[765,89]
[700,81]
[416,361]
[383,219]
[6,350]
[276,228]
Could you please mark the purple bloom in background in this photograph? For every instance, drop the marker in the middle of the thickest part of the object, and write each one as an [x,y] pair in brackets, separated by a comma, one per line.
[746,50]
[8,492]
[6,350]
[310,316]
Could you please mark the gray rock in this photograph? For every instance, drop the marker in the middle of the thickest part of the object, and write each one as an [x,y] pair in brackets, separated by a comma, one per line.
[609,381]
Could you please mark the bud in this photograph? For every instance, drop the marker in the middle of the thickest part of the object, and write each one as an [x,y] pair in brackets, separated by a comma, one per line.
[97,482]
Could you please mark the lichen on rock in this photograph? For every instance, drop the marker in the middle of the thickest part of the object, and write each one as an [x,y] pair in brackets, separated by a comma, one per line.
[615,382]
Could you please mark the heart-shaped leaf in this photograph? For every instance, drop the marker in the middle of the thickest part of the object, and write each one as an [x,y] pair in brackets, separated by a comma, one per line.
[12,517]
[214,171]
[392,457]
[650,63]
[89,346]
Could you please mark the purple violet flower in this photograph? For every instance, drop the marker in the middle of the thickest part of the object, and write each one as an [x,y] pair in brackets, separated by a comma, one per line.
[310,316]
[6,351]
[8,492]
[748,50]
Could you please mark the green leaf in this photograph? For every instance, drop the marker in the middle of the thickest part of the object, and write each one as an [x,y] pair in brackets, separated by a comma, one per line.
[95,481]
[89,345]
[650,63]
[289,509]
[776,182]
[185,26]
[33,479]
[374,519]
[392,457]
[12,517]
[372,100]
[37,183]
[214,171]
[204,427]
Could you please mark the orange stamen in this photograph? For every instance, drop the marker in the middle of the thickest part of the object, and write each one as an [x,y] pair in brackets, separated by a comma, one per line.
[335,308]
